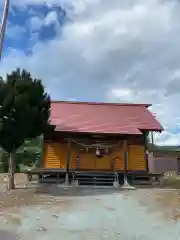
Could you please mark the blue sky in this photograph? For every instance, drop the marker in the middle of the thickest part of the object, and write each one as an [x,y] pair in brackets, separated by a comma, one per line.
[18,23]
[101,50]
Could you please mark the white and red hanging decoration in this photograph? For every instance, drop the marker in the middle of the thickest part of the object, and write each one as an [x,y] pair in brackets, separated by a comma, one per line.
[98,153]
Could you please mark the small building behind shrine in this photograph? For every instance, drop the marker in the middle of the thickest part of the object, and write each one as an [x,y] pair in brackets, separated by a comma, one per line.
[163,159]
[95,136]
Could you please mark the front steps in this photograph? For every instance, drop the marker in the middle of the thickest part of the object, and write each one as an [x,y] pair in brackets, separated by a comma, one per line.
[96,179]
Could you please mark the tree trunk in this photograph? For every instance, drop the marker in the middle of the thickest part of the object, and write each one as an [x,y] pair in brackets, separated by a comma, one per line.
[11,172]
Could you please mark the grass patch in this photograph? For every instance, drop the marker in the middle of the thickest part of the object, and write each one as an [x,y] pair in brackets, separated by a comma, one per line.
[173,182]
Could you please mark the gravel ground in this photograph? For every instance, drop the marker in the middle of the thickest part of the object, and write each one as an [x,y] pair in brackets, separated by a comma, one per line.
[56,212]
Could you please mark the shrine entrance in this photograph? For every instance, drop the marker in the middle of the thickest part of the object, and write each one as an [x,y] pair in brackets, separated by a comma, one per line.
[98,154]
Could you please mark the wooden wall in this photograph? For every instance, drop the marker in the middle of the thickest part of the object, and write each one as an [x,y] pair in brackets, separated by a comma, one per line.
[55,157]
[136,158]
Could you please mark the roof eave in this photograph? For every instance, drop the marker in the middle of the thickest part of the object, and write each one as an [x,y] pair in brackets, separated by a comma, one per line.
[102,103]
[153,130]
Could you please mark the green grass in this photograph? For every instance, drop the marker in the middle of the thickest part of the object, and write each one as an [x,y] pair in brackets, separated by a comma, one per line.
[172,182]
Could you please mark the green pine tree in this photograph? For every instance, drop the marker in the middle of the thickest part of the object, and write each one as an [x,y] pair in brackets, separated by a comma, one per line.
[24,113]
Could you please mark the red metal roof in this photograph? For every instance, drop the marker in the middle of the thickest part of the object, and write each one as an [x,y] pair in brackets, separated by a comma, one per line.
[94,117]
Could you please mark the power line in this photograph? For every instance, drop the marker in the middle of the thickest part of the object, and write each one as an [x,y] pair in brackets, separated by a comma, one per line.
[3,25]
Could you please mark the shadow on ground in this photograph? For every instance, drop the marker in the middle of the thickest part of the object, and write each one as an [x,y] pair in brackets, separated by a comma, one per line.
[64,191]
[5,235]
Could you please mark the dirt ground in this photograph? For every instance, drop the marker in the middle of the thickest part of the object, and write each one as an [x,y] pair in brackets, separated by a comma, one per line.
[68,213]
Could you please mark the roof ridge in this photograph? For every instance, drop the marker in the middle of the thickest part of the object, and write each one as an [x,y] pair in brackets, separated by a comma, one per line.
[101,103]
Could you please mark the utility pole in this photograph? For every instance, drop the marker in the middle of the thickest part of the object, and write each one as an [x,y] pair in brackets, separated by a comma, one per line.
[3,26]
[152,138]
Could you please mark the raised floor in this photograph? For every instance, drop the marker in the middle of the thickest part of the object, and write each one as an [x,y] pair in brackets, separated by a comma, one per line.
[90,176]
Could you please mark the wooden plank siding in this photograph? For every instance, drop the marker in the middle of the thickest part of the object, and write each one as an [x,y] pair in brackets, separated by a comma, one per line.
[136,158]
[55,155]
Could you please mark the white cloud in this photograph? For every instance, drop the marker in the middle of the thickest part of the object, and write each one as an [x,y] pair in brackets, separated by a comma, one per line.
[167,138]
[48,3]
[37,22]
[114,51]
[51,18]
